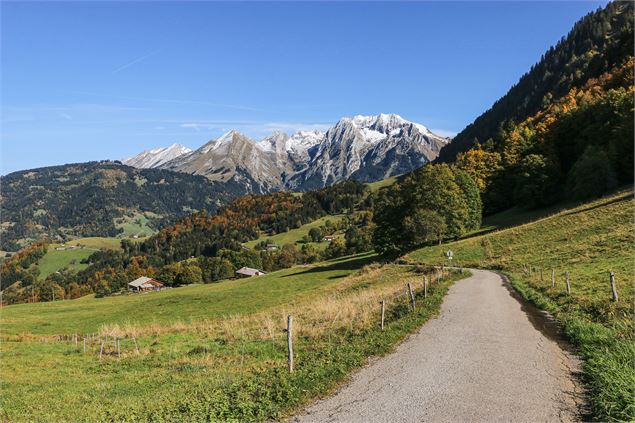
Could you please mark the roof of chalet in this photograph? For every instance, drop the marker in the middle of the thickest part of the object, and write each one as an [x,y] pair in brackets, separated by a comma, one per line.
[144,282]
[249,271]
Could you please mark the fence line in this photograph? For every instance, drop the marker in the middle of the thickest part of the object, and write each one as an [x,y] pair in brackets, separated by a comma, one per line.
[568,280]
[113,345]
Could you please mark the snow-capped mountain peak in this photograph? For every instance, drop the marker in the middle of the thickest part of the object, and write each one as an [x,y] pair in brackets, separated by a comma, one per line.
[369,148]
[157,156]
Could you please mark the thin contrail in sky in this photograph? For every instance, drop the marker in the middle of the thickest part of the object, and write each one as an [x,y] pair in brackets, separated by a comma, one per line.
[135,61]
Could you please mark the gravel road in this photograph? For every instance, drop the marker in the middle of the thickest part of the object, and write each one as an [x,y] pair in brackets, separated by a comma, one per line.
[480,360]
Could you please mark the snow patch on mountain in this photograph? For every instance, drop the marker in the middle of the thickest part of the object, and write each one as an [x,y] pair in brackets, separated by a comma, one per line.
[156,157]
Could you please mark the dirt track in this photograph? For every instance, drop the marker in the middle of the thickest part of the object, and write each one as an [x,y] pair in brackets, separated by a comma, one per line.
[481,360]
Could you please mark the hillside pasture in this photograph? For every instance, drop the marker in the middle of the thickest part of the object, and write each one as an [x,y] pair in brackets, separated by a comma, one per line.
[55,260]
[587,241]
[97,243]
[377,185]
[137,224]
[212,352]
[60,256]
[294,236]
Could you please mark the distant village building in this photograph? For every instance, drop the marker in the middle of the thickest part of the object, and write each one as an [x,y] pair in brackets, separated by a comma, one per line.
[145,284]
[247,272]
[272,247]
[329,238]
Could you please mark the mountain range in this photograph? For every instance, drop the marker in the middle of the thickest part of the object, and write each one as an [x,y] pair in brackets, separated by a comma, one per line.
[364,148]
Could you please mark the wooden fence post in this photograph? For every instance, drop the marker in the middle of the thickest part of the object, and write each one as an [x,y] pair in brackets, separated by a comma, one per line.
[613,287]
[136,347]
[425,286]
[412,295]
[383,306]
[84,345]
[118,347]
[553,278]
[101,350]
[290,341]
[566,275]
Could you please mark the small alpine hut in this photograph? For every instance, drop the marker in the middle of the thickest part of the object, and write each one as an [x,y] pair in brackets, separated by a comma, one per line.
[247,272]
[145,284]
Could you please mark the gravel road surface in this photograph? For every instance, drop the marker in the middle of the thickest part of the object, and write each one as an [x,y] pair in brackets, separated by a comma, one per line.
[481,360]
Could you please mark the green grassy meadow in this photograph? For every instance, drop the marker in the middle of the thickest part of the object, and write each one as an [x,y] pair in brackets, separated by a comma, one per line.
[376,186]
[207,352]
[136,225]
[295,235]
[97,242]
[230,297]
[588,241]
[70,259]
[56,260]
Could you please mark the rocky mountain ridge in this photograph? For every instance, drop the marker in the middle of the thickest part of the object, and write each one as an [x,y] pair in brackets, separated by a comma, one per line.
[365,148]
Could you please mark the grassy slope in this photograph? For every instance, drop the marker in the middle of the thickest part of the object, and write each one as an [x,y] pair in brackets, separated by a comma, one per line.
[375,186]
[295,235]
[228,297]
[97,243]
[138,224]
[54,260]
[207,352]
[588,241]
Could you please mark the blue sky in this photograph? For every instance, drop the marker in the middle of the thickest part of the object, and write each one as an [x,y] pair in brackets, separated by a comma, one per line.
[104,80]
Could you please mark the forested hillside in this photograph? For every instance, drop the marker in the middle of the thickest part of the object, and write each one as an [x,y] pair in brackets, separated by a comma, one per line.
[84,199]
[597,43]
[565,131]
[205,247]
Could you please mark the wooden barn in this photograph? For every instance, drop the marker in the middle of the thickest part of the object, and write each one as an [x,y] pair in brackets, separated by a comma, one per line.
[145,284]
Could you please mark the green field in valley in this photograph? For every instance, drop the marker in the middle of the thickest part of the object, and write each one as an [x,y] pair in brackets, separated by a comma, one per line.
[206,352]
[295,235]
[588,241]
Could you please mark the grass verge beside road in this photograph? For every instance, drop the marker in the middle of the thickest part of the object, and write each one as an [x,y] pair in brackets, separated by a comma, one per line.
[588,241]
